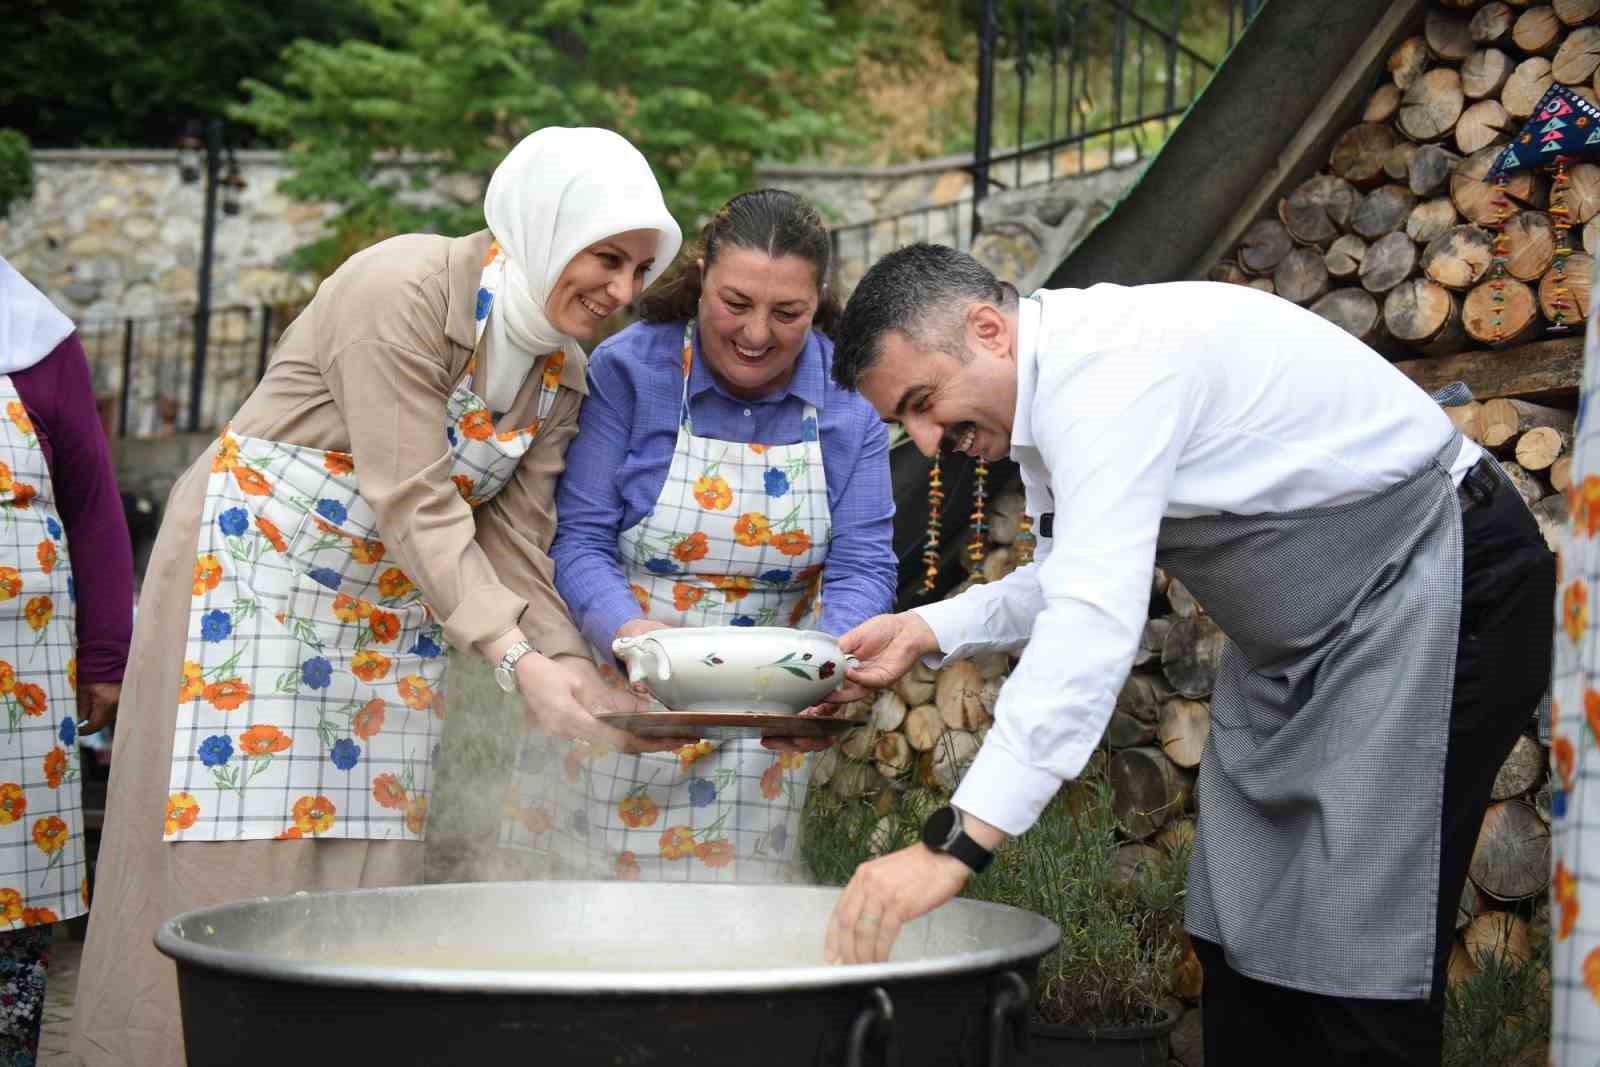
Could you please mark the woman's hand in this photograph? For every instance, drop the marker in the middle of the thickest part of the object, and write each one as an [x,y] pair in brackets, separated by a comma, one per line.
[887,646]
[640,627]
[97,705]
[562,696]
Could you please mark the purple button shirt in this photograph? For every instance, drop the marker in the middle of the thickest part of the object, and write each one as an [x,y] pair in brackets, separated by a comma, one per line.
[628,429]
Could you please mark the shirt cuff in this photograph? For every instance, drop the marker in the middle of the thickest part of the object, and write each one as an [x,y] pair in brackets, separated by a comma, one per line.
[604,616]
[102,661]
[483,614]
[947,621]
[553,636]
[1003,791]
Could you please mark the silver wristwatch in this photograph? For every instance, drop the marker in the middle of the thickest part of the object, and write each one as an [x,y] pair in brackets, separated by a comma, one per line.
[505,673]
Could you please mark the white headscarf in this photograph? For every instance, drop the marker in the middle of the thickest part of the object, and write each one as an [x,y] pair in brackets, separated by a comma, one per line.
[30,326]
[559,191]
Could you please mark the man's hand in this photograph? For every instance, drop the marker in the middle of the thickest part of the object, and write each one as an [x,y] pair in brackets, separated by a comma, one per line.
[97,705]
[884,895]
[887,646]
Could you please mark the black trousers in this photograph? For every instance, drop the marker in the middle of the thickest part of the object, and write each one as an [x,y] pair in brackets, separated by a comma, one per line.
[1508,584]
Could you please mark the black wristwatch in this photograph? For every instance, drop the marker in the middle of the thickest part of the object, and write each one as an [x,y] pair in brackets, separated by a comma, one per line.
[943,833]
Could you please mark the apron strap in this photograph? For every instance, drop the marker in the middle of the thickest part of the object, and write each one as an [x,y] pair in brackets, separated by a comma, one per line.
[1453,395]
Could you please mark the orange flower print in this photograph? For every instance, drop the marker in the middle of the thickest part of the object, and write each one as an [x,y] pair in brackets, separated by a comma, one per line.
[394,583]
[772,781]
[388,792]
[314,815]
[369,666]
[291,834]
[791,761]
[8,678]
[684,596]
[347,608]
[1565,891]
[734,587]
[417,814]
[47,556]
[263,739]
[688,754]
[207,573]
[72,675]
[192,687]
[791,542]
[688,359]
[274,536]
[554,364]
[227,456]
[39,612]
[1562,757]
[691,548]
[1575,611]
[339,462]
[385,626]
[55,766]
[1591,973]
[414,690]
[10,905]
[1583,502]
[227,695]
[363,550]
[758,449]
[5,478]
[476,425]
[535,820]
[712,492]
[10,583]
[251,483]
[31,697]
[37,916]
[752,529]
[636,810]
[13,803]
[83,892]
[718,853]
[22,495]
[677,842]
[182,810]
[463,486]
[628,867]
[369,720]
[642,595]
[1591,711]
[50,834]
[19,417]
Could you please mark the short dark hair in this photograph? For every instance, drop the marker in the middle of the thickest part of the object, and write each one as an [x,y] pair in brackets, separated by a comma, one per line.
[922,291]
[773,221]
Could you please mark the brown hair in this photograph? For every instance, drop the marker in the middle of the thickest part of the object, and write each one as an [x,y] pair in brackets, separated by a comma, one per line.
[773,221]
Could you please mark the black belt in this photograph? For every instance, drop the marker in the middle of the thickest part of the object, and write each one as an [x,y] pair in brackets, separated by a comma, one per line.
[1478,486]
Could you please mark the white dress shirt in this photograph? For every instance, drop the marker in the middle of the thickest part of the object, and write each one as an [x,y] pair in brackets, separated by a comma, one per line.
[1135,404]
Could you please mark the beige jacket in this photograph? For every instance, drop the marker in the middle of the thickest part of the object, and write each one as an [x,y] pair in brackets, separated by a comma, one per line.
[366,369]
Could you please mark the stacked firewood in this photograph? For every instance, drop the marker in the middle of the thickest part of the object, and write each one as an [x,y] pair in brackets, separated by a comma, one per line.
[1395,239]
[1533,444]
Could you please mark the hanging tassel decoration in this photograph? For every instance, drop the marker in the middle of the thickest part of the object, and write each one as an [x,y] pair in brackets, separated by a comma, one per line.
[977,547]
[1561,220]
[930,552]
[1022,547]
[1501,249]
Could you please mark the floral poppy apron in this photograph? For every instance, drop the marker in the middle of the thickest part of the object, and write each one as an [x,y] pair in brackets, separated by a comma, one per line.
[41,834]
[737,536]
[311,692]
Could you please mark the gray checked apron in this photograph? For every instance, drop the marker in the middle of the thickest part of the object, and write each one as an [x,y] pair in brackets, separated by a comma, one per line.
[1316,856]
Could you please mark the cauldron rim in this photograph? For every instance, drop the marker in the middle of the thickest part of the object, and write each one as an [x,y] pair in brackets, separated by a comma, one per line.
[1042,935]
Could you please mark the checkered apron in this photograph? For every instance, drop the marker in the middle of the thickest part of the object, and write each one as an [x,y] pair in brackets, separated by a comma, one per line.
[41,833]
[311,692]
[1316,856]
[738,536]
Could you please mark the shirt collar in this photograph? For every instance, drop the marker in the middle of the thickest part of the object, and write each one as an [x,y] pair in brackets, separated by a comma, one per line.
[1029,315]
[808,383]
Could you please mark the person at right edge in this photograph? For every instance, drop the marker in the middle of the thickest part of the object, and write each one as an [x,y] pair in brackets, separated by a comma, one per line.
[1384,590]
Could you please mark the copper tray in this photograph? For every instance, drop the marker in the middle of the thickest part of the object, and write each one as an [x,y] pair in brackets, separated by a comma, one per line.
[726,725]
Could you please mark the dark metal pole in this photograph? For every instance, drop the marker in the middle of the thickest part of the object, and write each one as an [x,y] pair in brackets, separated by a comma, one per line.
[1024,69]
[266,341]
[984,118]
[202,311]
[127,378]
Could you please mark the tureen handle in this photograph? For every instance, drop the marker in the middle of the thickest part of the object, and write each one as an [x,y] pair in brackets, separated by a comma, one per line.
[635,651]
[850,662]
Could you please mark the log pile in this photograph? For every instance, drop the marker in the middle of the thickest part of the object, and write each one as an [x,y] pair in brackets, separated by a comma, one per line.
[1533,445]
[1394,239]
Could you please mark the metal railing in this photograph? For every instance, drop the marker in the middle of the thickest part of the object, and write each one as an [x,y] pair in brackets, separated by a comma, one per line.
[154,365]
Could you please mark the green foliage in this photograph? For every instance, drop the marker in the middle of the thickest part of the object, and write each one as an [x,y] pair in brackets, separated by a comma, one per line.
[16,170]
[1500,1017]
[703,87]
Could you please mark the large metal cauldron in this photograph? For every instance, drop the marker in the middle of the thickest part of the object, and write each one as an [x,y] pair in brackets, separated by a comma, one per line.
[614,973]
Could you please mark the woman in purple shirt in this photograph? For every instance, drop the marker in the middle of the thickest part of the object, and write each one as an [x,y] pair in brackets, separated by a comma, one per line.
[718,478]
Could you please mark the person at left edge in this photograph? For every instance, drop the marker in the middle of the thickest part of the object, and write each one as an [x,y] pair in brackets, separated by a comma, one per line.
[385,490]
[66,612]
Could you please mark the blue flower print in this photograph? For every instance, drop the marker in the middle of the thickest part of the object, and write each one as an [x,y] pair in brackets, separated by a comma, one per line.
[777,482]
[234,522]
[69,731]
[808,428]
[741,620]
[660,566]
[426,647]
[331,510]
[216,750]
[777,577]
[779,837]
[325,576]
[701,792]
[215,625]
[485,299]
[316,673]
[450,435]
[53,527]
[72,590]
[344,753]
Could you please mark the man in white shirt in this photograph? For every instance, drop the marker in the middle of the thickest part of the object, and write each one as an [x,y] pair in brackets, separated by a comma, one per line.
[1386,594]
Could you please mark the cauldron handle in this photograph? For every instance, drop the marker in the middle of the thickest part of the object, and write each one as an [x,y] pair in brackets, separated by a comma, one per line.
[1008,1015]
[879,1015]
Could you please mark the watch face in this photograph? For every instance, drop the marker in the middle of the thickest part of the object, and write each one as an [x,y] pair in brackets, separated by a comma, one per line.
[939,829]
[504,679]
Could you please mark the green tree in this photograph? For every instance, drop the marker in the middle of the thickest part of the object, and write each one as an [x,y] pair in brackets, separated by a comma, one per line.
[704,88]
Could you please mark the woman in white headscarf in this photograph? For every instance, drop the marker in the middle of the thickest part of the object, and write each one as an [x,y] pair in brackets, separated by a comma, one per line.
[385,491]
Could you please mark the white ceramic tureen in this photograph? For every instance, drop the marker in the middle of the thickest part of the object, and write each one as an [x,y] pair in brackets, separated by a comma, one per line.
[769,669]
